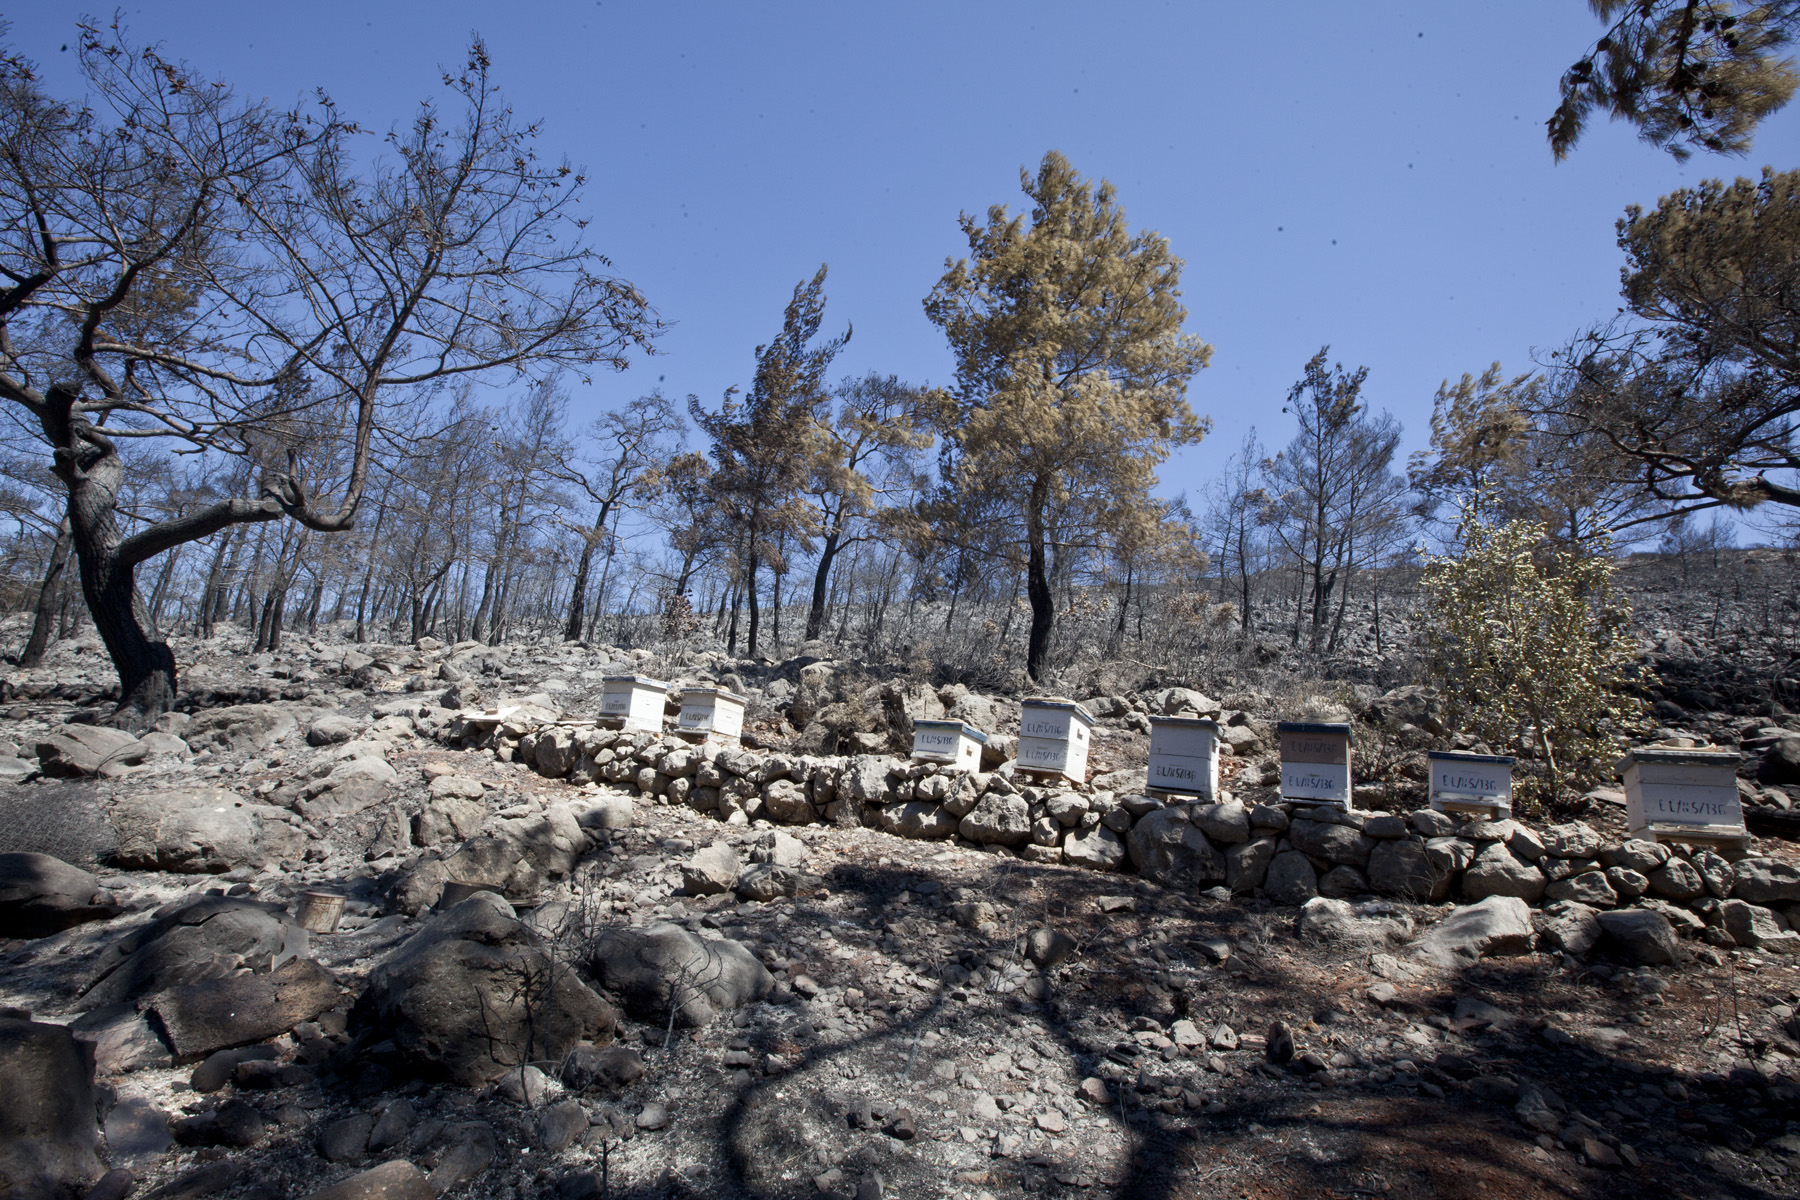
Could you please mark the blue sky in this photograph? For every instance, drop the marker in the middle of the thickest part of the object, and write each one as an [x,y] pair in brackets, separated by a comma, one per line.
[1374,176]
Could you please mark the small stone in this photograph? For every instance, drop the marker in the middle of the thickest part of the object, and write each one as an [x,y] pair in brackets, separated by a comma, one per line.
[561,1124]
[1048,947]
[1599,1154]
[346,1140]
[1052,1121]
[902,1126]
[653,1116]
[1094,1091]
[396,1180]
[1224,1037]
[1279,1043]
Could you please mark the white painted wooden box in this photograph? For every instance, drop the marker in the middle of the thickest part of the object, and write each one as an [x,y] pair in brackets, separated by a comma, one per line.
[1681,794]
[1315,762]
[950,742]
[634,701]
[1471,783]
[1184,756]
[711,713]
[1054,737]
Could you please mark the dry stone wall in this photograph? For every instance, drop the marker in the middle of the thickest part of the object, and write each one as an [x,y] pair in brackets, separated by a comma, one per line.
[1290,854]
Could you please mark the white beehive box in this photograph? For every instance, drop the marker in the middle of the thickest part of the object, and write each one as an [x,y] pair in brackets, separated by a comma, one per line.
[1315,762]
[950,742]
[633,702]
[1683,795]
[711,714]
[1471,783]
[1184,756]
[1054,737]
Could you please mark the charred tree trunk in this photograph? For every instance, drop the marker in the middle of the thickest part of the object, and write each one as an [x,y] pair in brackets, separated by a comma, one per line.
[1037,588]
[821,592]
[48,595]
[88,464]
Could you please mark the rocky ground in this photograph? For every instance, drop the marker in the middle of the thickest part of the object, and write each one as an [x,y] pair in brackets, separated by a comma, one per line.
[803,966]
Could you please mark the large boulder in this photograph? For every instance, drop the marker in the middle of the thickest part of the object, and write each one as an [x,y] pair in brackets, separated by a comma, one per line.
[711,870]
[49,1131]
[916,819]
[1572,927]
[1497,872]
[1677,880]
[190,942]
[1167,848]
[662,967]
[1402,868]
[243,729]
[1496,926]
[201,831]
[1641,934]
[1291,878]
[1099,848]
[41,895]
[73,751]
[453,811]
[1331,842]
[998,820]
[1576,839]
[1247,863]
[785,801]
[474,994]
[1766,881]
[863,779]
[238,1010]
[1226,824]
[1781,763]
[332,729]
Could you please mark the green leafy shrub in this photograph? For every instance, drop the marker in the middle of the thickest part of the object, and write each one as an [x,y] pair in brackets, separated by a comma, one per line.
[1531,651]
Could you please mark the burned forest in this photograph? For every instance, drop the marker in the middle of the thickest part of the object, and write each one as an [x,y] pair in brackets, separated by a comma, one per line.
[442,757]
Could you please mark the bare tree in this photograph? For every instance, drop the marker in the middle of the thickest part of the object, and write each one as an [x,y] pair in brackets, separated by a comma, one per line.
[170,255]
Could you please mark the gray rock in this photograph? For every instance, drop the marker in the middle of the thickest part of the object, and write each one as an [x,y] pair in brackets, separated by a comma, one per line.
[74,751]
[663,966]
[1754,926]
[863,778]
[191,942]
[1386,826]
[1099,848]
[332,729]
[1429,823]
[1589,887]
[1324,919]
[1342,882]
[1066,808]
[1677,880]
[217,1014]
[1637,855]
[780,848]
[1331,842]
[1573,840]
[1629,884]
[762,882]
[473,995]
[1291,878]
[49,1135]
[1646,936]
[201,831]
[244,729]
[346,1140]
[917,819]
[588,1066]
[1572,927]
[1780,763]
[1525,843]
[998,821]
[560,1125]
[1269,817]
[41,895]
[1718,874]
[711,870]
[785,801]
[1247,864]
[1048,947]
[472,1147]
[1497,872]
[1227,823]
[1402,868]
[1766,880]
[448,817]
[1496,926]
[1166,848]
